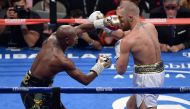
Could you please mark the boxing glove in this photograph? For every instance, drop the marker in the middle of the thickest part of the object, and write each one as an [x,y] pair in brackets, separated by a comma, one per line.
[111,22]
[117,49]
[102,63]
[95,16]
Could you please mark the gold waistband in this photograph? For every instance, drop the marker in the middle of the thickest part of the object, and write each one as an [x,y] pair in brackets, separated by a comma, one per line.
[147,69]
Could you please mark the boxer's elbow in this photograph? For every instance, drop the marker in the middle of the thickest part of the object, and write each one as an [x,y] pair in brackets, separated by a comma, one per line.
[88,79]
[85,81]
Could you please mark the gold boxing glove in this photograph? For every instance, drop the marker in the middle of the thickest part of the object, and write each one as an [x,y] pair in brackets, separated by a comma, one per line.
[112,22]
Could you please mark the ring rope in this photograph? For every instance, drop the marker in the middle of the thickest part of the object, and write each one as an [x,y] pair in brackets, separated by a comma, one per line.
[37,21]
[156,21]
[95,90]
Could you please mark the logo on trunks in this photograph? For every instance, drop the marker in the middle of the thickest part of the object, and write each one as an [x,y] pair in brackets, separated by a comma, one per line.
[169,102]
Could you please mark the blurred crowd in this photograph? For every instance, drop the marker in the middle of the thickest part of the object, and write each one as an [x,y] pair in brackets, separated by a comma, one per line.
[173,38]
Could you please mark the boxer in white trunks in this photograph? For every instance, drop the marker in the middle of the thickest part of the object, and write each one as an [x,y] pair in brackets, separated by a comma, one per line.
[142,42]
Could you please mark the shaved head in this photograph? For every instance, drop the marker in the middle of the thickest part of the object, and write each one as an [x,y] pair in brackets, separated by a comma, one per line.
[65,31]
[66,35]
[128,13]
[130,7]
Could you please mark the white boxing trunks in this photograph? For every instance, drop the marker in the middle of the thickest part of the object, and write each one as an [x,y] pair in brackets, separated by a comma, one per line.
[148,76]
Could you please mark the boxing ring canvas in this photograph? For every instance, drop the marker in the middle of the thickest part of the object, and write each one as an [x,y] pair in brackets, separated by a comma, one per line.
[14,63]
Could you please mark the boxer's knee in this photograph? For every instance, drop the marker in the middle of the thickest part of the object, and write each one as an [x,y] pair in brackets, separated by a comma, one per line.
[131,103]
[143,105]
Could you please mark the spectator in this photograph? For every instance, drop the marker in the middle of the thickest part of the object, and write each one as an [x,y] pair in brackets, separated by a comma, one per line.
[185,3]
[22,35]
[146,6]
[89,6]
[87,39]
[29,4]
[172,38]
[42,7]
[3,4]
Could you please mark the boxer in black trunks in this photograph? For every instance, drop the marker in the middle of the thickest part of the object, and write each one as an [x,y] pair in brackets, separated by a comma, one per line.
[50,61]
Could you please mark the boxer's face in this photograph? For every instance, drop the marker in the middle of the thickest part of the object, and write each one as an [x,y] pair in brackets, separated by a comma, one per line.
[21,3]
[171,8]
[122,16]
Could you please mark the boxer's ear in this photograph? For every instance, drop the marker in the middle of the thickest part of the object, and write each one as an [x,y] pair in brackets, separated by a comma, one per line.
[67,40]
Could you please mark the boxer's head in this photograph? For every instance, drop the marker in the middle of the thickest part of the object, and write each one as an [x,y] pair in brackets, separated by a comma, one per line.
[127,12]
[66,35]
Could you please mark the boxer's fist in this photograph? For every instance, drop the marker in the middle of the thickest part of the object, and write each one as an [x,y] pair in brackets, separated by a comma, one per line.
[95,15]
[104,60]
[117,48]
[112,22]
[102,63]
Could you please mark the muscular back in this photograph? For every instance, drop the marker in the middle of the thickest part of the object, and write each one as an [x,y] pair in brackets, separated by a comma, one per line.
[144,45]
[49,60]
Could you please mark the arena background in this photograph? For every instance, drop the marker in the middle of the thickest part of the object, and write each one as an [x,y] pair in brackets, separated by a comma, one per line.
[14,63]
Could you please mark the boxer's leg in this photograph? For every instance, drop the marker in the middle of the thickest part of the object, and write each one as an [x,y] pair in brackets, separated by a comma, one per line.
[131,103]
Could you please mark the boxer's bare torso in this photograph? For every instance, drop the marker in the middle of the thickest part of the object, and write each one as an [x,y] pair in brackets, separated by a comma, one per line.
[50,60]
[143,43]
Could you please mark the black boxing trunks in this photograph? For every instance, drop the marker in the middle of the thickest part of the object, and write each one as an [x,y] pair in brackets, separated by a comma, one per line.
[37,100]
[31,81]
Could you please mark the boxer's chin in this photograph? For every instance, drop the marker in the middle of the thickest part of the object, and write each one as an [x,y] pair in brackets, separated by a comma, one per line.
[126,28]
[122,24]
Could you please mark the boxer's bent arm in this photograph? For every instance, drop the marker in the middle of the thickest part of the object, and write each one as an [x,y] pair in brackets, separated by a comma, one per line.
[122,61]
[102,63]
[85,79]
[84,28]
[117,34]
[70,68]
[85,36]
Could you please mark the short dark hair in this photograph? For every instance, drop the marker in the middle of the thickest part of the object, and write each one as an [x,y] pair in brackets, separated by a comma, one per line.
[11,2]
[178,1]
